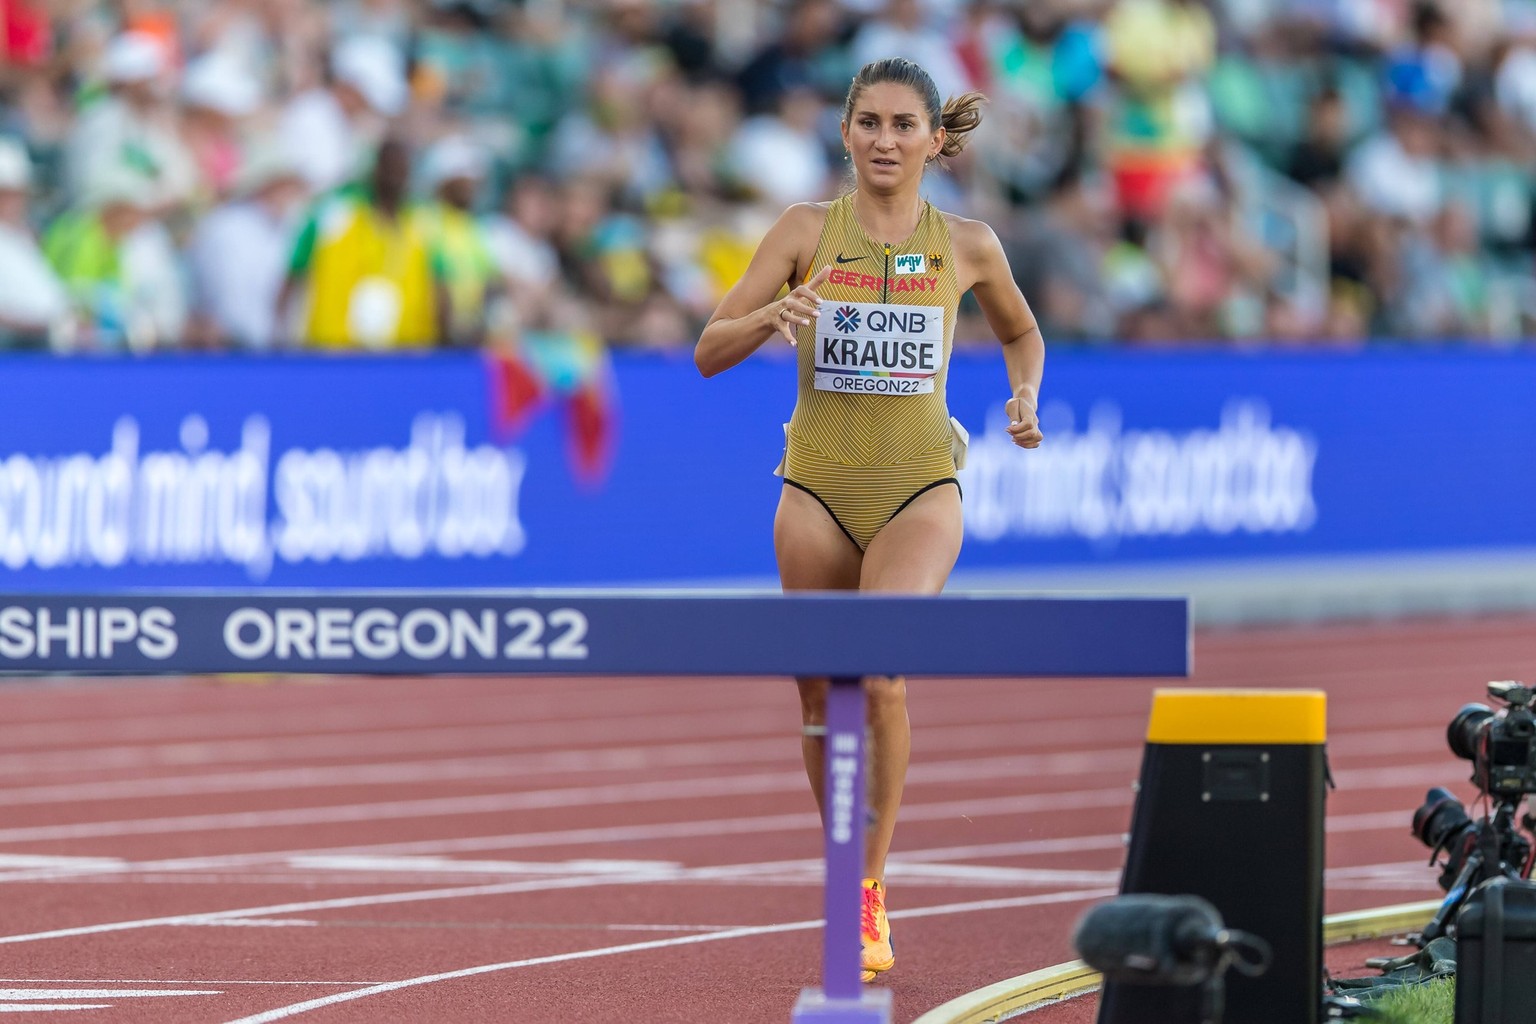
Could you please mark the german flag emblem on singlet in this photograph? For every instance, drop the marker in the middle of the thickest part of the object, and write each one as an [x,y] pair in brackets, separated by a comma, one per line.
[935,261]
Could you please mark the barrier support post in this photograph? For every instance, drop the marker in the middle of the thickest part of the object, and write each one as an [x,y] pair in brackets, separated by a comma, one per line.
[842,998]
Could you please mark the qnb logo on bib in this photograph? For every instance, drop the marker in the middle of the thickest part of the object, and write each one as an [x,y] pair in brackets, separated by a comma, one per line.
[875,348]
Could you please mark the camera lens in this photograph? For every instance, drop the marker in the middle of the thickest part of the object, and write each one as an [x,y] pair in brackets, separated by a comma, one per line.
[1464,732]
[1440,817]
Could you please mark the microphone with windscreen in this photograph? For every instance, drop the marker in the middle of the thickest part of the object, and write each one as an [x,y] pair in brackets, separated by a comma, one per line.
[1147,939]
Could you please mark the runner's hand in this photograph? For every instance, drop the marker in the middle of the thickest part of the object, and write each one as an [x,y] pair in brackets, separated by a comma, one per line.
[801,306]
[1023,425]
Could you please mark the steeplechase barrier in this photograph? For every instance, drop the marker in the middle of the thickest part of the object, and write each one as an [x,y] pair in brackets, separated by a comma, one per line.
[844,636]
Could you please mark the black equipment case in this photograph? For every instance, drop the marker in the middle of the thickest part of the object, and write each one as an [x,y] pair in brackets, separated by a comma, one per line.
[1496,954]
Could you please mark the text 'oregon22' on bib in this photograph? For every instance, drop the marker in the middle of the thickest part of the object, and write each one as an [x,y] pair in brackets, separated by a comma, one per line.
[879,348]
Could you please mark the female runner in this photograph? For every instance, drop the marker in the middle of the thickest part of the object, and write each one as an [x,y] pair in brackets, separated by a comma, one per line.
[870,499]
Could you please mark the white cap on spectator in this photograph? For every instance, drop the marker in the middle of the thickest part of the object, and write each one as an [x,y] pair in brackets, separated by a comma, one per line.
[133,57]
[112,185]
[15,166]
[373,68]
[453,157]
[265,164]
[217,83]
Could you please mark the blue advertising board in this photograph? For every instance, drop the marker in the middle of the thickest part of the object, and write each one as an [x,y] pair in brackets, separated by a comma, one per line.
[308,471]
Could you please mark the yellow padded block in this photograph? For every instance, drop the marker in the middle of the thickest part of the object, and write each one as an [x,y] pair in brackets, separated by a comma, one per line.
[1238,716]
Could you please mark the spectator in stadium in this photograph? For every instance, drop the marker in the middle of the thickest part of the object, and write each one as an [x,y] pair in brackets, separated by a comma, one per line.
[904,29]
[804,55]
[1042,69]
[1464,275]
[388,21]
[461,259]
[613,139]
[1397,172]
[870,501]
[1215,277]
[458,61]
[1160,120]
[1058,255]
[520,237]
[133,131]
[1318,159]
[119,265]
[239,254]
[217,97]
[606,255]
[364,261]
[780,157]
[332,129]
[33,304]
[700,133]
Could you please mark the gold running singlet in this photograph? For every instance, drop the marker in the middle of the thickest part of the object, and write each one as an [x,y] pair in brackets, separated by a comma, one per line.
[871,430]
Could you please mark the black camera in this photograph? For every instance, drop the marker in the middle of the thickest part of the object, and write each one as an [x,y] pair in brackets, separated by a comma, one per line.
[1500,744]
[1442,823]
[1502,748]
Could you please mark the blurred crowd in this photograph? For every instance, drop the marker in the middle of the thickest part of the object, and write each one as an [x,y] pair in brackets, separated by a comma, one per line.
[260,174]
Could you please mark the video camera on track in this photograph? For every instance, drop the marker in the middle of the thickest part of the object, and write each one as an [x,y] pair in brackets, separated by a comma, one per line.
[1500,744]
[1502,748]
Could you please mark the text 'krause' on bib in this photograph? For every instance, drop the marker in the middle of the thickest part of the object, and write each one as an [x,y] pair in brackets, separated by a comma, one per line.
[875,348]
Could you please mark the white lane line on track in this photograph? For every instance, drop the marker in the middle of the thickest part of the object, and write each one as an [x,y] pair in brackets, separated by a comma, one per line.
[337,903]
[489,803]
[165,981]
[12,995]
[980,874]
[25,861]
[284,1012]
[434,865]
[250,922]
[50,1007]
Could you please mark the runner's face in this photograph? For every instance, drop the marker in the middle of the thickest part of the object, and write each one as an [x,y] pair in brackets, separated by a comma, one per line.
[889,136]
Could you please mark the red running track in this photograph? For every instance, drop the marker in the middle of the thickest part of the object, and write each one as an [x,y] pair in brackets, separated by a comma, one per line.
[611,850]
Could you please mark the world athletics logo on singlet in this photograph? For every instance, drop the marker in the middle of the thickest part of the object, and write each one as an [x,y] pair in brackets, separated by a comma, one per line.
[881,349]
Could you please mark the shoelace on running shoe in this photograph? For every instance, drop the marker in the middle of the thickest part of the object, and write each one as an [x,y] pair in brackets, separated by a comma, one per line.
[869,919]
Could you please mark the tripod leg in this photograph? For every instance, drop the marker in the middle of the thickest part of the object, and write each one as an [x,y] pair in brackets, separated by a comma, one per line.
[1454,898]
[1213,1000]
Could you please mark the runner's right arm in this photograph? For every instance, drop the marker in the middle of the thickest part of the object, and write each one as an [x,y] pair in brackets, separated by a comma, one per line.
[750,313]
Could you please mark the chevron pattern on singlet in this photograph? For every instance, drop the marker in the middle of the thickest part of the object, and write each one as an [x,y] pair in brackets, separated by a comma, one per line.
[864,455]
[875,430]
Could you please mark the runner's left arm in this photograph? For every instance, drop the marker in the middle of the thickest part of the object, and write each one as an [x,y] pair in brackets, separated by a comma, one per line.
[1009,316]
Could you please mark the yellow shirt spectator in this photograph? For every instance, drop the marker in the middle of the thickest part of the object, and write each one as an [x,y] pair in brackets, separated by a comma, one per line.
[462,262]
[369,275]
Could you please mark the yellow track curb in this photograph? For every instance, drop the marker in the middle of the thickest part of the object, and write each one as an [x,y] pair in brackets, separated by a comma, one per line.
[1007,998]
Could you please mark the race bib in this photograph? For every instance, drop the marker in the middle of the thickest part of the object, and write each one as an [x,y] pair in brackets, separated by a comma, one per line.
[875,348]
